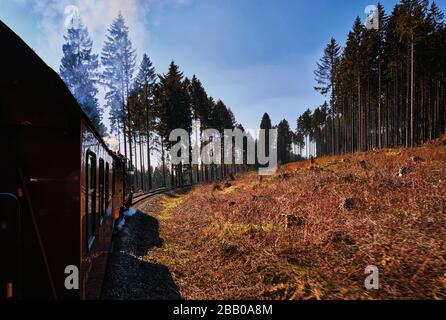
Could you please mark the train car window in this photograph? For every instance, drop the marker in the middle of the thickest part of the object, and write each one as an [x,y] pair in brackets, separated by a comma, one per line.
[101,191]
[91,198]
[113,181]
[107,186]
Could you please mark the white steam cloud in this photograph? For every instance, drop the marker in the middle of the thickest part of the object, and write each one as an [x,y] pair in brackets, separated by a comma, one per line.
[56,15]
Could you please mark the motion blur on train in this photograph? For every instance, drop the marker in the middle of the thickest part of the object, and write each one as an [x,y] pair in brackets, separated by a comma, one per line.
[61,188]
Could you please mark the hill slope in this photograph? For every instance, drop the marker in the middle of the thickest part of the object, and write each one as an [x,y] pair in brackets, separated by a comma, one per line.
[311,230]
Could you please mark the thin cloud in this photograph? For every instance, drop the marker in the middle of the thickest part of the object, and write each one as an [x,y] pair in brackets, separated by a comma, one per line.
[97,16]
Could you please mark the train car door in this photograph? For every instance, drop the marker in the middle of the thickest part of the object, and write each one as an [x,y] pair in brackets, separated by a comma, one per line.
[10,248]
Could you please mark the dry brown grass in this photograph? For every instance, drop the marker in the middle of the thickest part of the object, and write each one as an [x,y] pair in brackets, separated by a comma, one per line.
[235,244]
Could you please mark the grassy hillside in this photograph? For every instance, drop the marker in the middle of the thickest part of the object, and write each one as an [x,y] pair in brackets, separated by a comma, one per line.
[309,231]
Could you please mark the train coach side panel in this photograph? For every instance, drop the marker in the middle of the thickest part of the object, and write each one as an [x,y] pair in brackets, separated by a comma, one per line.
[96,211]
[39,135]
[45,137]
[41,159]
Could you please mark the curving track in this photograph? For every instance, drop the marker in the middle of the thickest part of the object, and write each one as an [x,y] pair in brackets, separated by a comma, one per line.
[143,196]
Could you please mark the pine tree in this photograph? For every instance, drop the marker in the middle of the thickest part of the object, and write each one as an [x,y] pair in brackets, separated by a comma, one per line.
[299,140]
[284,140]
[351,78]
[265,124]
[210,122]
[79,71]
[172,106]
[409,23]
[118,58]
[144,84]
[305,125]
[318,122]
[199,105]
[188,106]
[390,86]
[326,74]
[223,118]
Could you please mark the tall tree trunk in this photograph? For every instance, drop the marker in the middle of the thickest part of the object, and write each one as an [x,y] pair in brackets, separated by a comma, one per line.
[136,181]
[163,160]
[148,146]
[119,138]
[379,104]
[124,131]
[190,160]
[141,161]
[360,113]
[130,139]
[197,148]
[411,90]
[333,133]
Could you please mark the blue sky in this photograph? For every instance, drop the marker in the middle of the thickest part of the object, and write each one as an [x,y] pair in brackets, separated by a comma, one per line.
[256,55]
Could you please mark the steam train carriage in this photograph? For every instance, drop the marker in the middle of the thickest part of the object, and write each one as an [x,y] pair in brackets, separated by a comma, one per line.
[59,188]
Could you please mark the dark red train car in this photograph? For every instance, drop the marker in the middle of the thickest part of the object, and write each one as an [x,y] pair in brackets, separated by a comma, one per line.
[59,183]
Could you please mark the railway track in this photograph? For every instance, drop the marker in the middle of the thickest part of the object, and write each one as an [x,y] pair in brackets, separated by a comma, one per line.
[145,195]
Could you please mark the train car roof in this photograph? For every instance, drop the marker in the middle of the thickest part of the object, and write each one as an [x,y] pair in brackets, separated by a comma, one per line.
[19,61]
